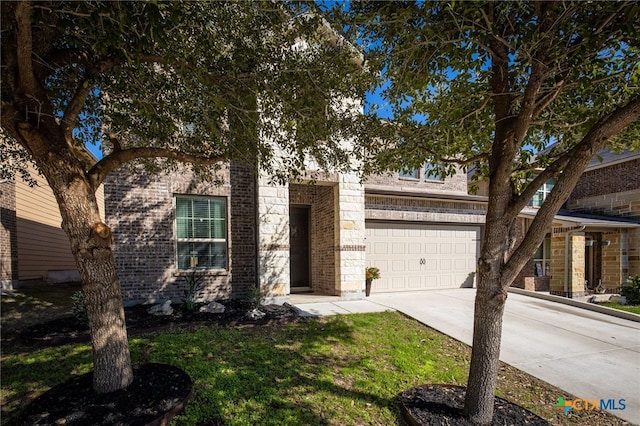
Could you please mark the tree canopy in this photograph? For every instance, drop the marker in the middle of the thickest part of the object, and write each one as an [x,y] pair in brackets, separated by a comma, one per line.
[193,81]
[507,88]
[450,72]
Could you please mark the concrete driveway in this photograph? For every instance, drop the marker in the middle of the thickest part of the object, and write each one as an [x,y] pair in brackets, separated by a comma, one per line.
[588,354]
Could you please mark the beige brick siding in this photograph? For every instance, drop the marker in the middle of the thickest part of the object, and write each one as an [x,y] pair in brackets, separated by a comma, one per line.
[634,252]
[390,207]
[454,184]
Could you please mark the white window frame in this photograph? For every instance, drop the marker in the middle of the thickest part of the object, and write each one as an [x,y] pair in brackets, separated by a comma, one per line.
[542,193]
[212,241]
[542,265]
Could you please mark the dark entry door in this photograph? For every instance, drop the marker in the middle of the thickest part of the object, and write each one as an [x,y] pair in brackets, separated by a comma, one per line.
[299,246]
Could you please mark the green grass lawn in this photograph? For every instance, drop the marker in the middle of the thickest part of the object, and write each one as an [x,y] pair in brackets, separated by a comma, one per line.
[341,370]
[629,308]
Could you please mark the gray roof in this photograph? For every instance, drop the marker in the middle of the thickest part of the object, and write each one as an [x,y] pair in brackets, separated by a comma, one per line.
[607,158]
[566,217]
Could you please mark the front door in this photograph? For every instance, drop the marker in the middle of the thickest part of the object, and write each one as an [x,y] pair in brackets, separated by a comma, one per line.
[299,248]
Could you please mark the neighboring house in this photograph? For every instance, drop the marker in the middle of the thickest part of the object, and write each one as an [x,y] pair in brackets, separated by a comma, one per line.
[594,242]
[34,246]
[421,232]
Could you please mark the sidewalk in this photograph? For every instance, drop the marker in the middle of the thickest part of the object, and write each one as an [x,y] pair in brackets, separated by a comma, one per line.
[586,353]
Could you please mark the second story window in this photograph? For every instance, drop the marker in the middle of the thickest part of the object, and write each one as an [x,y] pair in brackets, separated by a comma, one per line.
[409,174]
[429,173]
[432,172]
[542,193]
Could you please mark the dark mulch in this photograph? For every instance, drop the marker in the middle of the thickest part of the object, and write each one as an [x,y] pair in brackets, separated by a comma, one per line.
[441,405]
[68,329]
[158,391]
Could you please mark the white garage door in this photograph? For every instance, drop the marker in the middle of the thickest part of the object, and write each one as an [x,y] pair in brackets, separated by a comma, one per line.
[421,257]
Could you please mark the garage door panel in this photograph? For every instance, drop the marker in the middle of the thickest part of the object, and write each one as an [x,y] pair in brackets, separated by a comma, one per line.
[420,256]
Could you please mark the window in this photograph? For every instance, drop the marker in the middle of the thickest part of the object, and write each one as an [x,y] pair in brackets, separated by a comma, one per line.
[432,172]
[201,231]
[542,259]
[542,193]
[410,174]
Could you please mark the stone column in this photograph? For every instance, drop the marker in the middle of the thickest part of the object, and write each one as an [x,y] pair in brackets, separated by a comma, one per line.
[567,264]
[273,240]
[634,252]
[612,260]
[8,236]
[349,237]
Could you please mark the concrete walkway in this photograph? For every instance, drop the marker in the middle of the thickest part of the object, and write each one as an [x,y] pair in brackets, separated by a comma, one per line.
[588,354]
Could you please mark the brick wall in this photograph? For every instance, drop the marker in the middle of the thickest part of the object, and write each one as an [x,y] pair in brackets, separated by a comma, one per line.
[611,191]
[8,236]
[140,211]
[620,177]
[321,200]
[423,209]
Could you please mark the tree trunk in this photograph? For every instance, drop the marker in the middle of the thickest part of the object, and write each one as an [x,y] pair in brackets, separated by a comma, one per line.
[91,243]
[487,333]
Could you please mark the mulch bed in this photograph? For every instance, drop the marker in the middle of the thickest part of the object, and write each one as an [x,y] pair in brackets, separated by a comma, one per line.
[157,394]
[441,405]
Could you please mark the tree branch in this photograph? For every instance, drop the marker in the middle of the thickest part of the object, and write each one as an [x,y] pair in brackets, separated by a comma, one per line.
[574,162]
[100,170]
[24,50]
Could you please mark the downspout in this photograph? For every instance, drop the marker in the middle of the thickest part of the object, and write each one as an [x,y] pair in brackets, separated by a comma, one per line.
[567,239]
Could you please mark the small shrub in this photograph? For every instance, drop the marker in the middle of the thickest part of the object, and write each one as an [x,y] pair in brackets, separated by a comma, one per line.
[254,297]
[631,290]
[190,294]
[79,307]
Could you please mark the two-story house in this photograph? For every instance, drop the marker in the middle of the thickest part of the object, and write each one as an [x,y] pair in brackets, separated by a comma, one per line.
[422,231]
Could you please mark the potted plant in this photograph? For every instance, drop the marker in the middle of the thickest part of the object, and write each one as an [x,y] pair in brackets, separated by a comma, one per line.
[372,273]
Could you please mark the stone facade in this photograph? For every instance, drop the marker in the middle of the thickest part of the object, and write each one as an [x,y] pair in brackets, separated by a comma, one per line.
[8,236]
[567,263]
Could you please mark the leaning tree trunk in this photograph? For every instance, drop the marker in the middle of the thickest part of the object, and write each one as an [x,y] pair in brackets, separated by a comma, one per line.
[91,243]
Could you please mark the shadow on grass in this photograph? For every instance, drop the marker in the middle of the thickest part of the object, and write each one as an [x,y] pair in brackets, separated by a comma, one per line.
[272,375]
[309,373]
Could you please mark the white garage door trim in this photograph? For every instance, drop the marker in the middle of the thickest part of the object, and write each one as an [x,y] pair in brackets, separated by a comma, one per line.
[416,256]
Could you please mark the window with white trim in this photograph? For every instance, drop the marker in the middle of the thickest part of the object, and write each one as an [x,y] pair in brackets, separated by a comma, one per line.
[542,193]
[542,259]
[201,232]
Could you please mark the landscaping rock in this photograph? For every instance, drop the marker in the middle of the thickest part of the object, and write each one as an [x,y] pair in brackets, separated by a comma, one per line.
[163,309]
[213,308]
[255,314]
[616,298]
